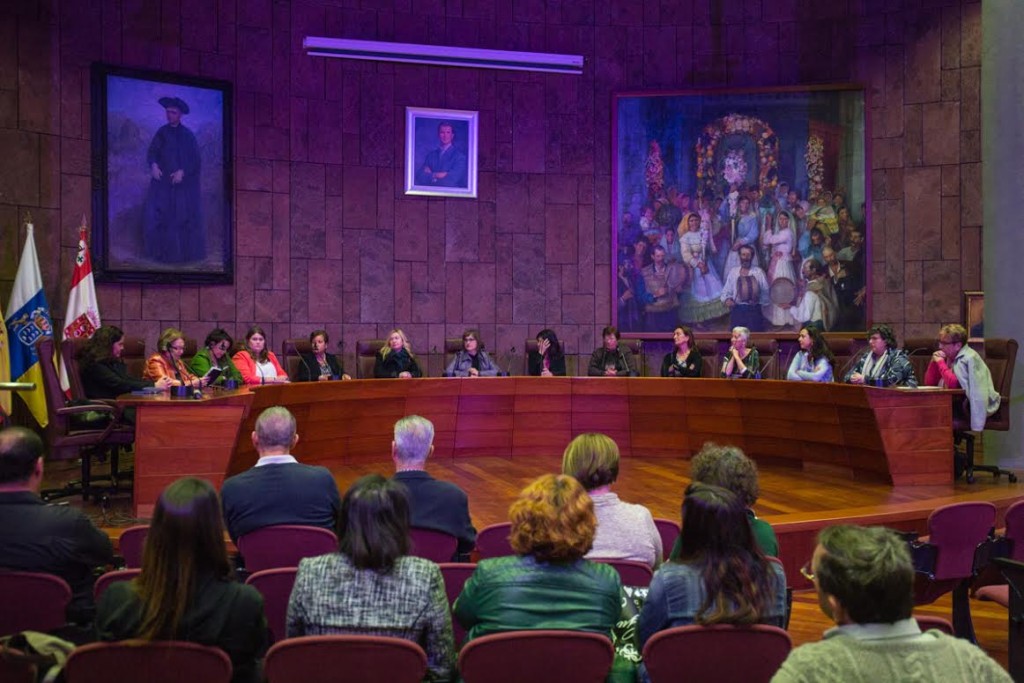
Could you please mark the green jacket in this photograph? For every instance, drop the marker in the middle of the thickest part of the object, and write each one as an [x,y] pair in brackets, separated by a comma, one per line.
[202,362]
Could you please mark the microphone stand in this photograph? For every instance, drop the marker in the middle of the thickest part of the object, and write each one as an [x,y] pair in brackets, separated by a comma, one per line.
[511,358]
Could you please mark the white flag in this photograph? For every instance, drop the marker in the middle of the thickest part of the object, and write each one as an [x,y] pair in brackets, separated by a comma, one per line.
[82,317]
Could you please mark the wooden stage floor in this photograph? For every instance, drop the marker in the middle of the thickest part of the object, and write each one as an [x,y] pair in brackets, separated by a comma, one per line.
[795,501]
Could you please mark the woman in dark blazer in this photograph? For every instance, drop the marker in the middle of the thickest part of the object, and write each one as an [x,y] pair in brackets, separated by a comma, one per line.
[548,360]
[319,365]
[395,359]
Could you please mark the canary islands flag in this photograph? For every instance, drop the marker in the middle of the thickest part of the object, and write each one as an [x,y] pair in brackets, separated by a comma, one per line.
[28,321]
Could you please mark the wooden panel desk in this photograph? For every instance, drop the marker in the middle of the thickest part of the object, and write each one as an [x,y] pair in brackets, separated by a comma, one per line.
[178,437]
[902,436]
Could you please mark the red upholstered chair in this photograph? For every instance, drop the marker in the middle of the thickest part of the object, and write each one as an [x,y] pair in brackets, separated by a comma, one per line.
[291,358]
[946,561]
[538,657]
[492,541]
[366,356]
[716,653]
[456,574]
[14,670]
[326,659]
[928,622]
[104,581]
[131,543]
[157,661]
[436,546]
[711,360]
[283,545]
[275,585]
[631,573]
[669,531]
[32,601]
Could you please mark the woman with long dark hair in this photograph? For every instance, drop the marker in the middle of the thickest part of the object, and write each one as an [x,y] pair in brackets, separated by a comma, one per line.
[720,576]
[548,360]
[813,363]
[185,590]
[256,362]
[104,374]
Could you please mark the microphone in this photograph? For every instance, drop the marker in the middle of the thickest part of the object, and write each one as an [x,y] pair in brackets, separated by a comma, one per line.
[511,357]
[302,357]
[850,363]
[789,359]
[764,371]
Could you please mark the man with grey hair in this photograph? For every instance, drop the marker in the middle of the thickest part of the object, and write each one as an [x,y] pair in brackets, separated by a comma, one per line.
[865,583]
[433,504]
[279,489]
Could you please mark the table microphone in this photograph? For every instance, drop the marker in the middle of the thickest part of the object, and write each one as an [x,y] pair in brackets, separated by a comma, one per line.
[763,371]
[511,357]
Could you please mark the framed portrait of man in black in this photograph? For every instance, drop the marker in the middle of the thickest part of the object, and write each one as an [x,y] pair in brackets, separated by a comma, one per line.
[162,183]
[441,152]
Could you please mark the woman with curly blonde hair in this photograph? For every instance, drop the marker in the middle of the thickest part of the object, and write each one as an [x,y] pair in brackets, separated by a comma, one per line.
[547,584]
[395,359]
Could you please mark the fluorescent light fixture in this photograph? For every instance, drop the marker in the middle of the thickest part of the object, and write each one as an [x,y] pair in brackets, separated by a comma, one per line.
[442,55]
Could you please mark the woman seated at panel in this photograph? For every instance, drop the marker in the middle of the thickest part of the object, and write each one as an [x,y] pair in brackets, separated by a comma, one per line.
[186,590]
[684,360]
[104,374]
[741,362]
[729,468]
[472,360]
[813,362]
[319,365]
[373,585]
[548,360]
[624,531]
[257,364]
[882,363]
[395,359]
[720,576]
[957,366]
[167,362]
[612,359]
[214,354]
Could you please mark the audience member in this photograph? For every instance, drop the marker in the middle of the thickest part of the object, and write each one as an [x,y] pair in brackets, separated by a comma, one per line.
[185,590]
[472,360]
[865,583]
[813,362]
[372,586]
[395,359]
[167,362]
[36,537]
[883,363]
[549,359]
[684,360]
[278,489]
[612,359]
[326,364]
[258,364]
[434,504]
[214,354]
[956,365]
[624,531]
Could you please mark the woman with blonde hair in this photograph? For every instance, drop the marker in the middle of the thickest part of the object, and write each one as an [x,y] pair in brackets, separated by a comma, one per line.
[624,531]
[185,590]
[167,362]
[396,359]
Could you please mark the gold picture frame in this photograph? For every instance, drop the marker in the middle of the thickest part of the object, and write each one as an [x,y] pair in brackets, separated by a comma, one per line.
[974,315]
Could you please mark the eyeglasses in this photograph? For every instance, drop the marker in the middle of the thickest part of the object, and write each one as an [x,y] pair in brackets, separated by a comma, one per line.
[805,571]
[178,347]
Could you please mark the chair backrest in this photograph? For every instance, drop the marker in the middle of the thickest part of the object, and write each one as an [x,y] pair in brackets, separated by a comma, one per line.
[492,541]
[13,670]
[58,425]
[711,360]
[366,356]
[842,348]
[134,355]
[956,530]
[131,543]
[283,545]
[275,585]
[927,622]
[768,354]
[157,661]
[919,352]
[1014,531]
[32,601]
[710,653]
[456,574]
[324,659]
[436,546]
[669,531]
[290,354]
[69,350]
[1001,357]
[537,656]
[104,581]
[631,572]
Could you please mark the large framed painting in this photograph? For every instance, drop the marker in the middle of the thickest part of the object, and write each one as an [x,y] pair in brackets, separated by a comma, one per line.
[740,208]
[162,182]
[441,152]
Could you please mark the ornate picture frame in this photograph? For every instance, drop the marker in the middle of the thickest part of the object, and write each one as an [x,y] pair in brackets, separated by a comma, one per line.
[441,151]
[974,315]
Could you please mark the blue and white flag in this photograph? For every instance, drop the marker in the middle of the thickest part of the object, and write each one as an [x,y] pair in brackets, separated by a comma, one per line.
[28,321]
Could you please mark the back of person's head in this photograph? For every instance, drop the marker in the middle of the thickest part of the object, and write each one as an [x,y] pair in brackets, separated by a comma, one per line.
[728,467]
[373,523]
[20,450]
[553,520]
[100,346]
[717,540]
[593,459]
[275,429]
[414,436]
[868,570]
[185,544]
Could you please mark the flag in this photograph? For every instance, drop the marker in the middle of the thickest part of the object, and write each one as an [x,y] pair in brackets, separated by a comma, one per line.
[5,367]
[82,317]
[28,321]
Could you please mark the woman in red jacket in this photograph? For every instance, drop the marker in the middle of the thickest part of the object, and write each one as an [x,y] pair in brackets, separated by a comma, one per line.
[256,363]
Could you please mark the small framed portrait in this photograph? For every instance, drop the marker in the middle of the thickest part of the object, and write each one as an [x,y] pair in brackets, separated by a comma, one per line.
[974,315]
[441,152]
[162,184]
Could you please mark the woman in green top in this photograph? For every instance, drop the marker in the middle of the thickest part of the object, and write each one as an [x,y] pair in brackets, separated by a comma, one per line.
[215,354]
[741,362]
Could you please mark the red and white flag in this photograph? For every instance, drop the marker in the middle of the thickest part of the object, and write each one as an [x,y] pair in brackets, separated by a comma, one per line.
[82,317]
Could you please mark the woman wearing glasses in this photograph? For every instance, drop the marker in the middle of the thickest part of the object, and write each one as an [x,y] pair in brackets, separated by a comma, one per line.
[214,354]
[167,362]
[472,360]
